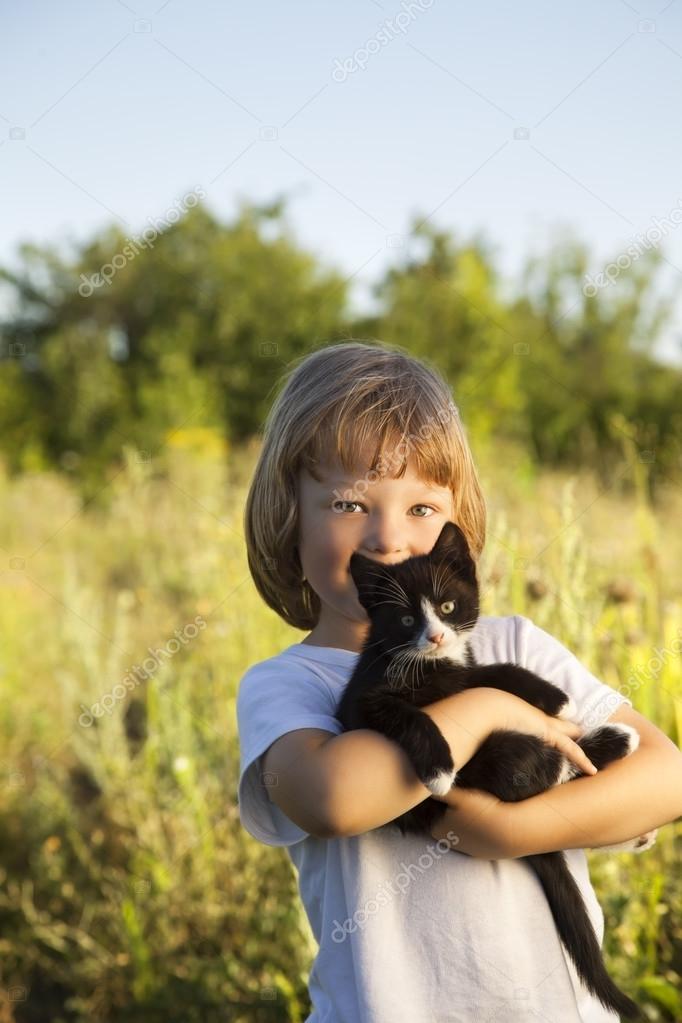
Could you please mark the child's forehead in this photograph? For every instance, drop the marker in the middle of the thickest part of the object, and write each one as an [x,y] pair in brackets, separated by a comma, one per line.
[332,470]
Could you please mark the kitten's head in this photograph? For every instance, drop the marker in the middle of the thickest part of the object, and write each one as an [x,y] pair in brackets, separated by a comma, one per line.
[422,607]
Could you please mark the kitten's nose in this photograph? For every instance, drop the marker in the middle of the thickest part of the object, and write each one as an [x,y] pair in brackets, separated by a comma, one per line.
[436,637]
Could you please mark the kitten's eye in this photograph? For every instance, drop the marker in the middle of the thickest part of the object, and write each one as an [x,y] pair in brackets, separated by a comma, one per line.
[407,620]
[448,607]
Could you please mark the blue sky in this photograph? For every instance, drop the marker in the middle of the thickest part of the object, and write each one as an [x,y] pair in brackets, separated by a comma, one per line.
[518,122]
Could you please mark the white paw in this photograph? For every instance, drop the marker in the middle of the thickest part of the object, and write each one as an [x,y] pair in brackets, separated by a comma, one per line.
[441,783]
[568,771]
[632,733]
[638,845]
[645,841]
[569,710]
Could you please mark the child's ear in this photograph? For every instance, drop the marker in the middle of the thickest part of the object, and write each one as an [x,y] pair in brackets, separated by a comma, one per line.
[367,576]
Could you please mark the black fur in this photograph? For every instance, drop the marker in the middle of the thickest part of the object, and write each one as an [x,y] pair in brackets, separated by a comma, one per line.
[393,679]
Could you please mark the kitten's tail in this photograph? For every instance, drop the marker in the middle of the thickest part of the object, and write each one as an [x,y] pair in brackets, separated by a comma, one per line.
[577,933]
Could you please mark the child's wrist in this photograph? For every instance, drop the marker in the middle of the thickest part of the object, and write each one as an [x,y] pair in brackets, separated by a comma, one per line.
[515,832]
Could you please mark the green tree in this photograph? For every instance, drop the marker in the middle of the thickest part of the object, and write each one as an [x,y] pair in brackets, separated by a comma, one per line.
[444,304]
[195,327]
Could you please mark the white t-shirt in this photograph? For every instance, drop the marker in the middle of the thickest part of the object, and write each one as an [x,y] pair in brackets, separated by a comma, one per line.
[406,929]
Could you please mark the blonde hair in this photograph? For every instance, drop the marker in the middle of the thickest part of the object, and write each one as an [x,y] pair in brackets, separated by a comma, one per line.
[334,402]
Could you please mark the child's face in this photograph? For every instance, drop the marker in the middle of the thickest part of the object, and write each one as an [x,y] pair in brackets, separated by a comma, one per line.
[388,520]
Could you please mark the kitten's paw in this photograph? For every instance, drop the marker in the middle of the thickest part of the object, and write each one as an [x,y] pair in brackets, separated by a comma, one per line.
[606,743]
[638,845]
[645,841]
[441,782]
[631,735]
[569,709]
[567,772]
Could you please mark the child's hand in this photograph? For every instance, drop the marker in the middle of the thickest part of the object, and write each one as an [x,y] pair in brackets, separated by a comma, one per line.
[475,822]
[515,714]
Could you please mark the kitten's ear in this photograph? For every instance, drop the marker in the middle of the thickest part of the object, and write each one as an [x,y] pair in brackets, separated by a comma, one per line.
[452,544]
[367,576]
[451,538]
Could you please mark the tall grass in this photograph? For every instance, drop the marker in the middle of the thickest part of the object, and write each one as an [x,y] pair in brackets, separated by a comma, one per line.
[128,889]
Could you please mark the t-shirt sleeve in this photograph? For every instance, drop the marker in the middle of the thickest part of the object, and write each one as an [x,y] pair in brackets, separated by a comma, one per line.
[271,701]
[541,653]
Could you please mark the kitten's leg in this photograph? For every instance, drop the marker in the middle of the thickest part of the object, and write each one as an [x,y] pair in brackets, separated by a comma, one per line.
[512,766]
[518,681]
[602,744]
[416,733]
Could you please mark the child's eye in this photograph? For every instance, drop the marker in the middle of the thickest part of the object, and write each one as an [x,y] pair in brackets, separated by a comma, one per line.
[334,503]
[352,503]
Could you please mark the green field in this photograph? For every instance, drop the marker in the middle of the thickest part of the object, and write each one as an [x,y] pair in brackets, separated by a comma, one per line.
[129,890]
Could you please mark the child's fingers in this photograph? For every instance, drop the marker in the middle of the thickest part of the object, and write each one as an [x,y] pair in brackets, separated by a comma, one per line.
[570,727]
[574,752]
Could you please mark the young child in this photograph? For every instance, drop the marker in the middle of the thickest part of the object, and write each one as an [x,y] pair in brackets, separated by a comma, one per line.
[363,450]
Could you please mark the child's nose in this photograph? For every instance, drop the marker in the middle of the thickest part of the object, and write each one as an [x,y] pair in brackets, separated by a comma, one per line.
[384,538]
[379,550]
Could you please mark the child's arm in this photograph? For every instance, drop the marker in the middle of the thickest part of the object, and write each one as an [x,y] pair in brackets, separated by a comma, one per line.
[336,785]
[627,798]
[370,781]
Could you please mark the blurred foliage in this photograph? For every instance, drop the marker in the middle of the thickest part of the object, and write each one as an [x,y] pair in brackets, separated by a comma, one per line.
[106,346]
[194,329]
[128,889]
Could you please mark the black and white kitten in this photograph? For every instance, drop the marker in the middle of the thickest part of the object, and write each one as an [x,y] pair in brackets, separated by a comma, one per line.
[416,652]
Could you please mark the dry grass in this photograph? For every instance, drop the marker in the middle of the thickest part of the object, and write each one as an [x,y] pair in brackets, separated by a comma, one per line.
[129,890]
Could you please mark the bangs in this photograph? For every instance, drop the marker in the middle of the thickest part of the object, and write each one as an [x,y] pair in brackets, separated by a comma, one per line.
[379,432]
